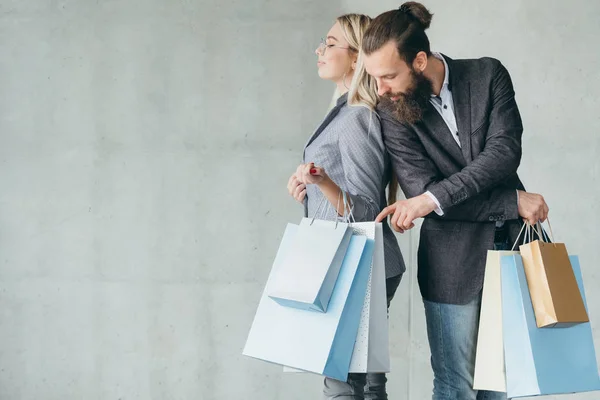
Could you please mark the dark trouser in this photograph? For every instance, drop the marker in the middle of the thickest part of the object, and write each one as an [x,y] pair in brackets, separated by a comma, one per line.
[363,386]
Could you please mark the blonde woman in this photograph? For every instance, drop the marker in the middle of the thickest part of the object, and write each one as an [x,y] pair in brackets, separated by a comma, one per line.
[347,153]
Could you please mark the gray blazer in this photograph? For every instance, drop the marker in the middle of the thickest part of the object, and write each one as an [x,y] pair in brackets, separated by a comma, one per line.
[475,184]
[349,146]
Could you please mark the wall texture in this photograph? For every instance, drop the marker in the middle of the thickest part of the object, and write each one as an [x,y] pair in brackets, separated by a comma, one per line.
[144,151]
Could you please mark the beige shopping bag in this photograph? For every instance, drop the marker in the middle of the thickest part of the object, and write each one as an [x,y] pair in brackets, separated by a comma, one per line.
[552,285]
[489,362]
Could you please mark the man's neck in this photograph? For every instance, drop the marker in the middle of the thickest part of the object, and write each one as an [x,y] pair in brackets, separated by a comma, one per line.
[435,72]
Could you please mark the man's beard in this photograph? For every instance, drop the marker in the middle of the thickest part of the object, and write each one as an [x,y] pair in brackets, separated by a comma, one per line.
[410,106]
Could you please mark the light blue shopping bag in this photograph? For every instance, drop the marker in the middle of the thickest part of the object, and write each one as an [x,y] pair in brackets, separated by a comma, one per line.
[321,343]
[310,267]
[543,361]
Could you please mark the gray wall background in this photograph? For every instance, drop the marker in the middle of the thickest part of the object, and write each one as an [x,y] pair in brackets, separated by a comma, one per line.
[145,149]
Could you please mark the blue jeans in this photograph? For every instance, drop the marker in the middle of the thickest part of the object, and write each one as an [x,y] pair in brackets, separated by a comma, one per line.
[452,332]
[362,386]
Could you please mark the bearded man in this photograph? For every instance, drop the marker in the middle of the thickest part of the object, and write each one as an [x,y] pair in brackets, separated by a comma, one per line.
[453,131]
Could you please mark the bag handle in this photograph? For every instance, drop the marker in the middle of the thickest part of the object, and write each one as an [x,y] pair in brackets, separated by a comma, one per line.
[317,210]
[519,235]
[544,236]
[346,217]
[323,199]
[530,229]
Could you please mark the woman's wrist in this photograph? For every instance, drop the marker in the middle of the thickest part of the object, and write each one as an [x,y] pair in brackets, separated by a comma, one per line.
[328,184]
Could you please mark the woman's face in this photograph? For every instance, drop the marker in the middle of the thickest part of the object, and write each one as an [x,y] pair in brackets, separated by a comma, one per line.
[335,56]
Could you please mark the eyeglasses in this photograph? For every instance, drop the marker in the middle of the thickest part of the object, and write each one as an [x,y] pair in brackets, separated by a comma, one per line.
[323,46]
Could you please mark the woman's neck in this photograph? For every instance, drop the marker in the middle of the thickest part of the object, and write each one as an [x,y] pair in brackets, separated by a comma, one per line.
[343,84]
[341,89]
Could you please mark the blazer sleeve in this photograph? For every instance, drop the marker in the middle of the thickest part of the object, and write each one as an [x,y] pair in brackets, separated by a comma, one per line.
[502,151]
[363,161]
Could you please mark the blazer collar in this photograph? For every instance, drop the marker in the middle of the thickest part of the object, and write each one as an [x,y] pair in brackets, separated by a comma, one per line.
[340,102]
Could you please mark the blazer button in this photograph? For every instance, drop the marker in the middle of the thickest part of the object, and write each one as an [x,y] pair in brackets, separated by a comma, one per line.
[491,218]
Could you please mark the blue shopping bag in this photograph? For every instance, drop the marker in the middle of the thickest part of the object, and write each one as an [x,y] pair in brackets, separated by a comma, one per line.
[321,343]
[310,267]
[543,361]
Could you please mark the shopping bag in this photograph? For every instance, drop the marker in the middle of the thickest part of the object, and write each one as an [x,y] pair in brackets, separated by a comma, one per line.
[321,343]
[489,360]
[543,361]
[371,350]
[310,268]
[554,292]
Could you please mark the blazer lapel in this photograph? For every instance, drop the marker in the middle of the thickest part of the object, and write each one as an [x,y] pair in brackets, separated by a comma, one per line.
[435,124]
[330,116]
[460,86]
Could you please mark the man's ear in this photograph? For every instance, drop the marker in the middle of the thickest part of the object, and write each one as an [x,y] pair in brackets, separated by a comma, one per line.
[420,61]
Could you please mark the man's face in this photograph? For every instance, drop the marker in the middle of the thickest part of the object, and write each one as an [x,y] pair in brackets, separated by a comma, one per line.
[392,74]
[401,84]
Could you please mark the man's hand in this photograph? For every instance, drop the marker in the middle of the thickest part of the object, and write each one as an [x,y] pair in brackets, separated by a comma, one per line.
[532,207]
[406,211]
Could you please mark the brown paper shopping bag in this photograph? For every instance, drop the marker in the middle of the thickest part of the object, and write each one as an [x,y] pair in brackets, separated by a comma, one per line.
[554,292]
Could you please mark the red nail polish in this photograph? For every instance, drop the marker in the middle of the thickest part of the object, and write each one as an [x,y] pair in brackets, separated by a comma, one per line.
[313,171]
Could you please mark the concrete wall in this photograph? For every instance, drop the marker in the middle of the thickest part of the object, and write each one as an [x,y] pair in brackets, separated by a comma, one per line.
[144,152]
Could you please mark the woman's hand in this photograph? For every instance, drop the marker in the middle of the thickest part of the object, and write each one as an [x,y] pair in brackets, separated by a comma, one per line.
[296,189]
[308,174]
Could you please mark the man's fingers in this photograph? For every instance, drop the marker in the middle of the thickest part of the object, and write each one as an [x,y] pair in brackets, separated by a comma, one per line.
[402,217]
[532,220]
[407,221]
[385,212]
[395,218]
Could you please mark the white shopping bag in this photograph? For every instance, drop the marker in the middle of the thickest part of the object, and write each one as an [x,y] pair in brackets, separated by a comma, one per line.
[489,360]
[371,349]
[310,267]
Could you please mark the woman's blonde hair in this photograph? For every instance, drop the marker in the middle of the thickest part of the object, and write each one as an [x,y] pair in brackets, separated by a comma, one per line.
[363,89]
